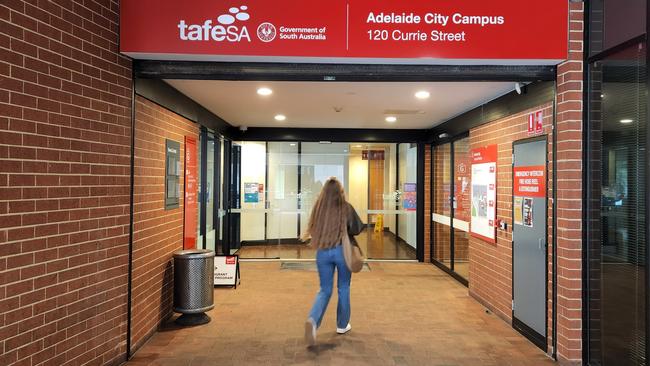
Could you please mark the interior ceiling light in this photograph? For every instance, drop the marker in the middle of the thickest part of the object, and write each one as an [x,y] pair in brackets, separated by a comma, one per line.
[422,94]
[292,144]
[391,119]
[627,120]
[280,117]
[264,91]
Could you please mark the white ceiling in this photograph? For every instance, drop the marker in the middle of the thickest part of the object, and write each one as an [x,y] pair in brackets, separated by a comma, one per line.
[361,104]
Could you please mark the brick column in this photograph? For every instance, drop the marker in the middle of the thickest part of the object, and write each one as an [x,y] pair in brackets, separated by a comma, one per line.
[427,203]
[569,195]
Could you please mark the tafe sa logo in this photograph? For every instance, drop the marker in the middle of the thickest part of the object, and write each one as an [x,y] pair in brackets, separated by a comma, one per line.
[225,28]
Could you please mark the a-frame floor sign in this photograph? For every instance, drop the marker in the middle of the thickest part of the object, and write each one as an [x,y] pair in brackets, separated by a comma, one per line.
[226,270]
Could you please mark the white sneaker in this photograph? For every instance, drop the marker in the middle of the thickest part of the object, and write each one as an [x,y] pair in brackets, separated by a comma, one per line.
[310,332]
[344,330]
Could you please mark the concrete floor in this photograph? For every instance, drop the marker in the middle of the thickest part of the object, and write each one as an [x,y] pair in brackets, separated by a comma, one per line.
[402,314]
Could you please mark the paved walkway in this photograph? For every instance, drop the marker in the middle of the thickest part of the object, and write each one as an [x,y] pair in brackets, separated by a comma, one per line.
[402,314]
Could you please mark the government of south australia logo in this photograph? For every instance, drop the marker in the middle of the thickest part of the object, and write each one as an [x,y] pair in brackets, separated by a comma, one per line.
[228,27]
[266,32]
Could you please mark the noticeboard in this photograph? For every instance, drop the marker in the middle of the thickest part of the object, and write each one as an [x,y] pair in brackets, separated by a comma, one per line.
[483,193]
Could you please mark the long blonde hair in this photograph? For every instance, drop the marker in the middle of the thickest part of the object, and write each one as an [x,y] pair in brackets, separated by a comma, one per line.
[328,216]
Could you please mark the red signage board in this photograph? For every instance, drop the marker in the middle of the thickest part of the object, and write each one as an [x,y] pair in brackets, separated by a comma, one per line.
[529,181]
[536,123]
[486,154]
[191,188]
[372,155]
[391,31]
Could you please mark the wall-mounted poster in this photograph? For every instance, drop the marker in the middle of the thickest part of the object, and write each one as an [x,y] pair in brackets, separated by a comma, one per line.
[191,190]
[527,211]
[518,211]
[251,192]
[409,197]
[484,194]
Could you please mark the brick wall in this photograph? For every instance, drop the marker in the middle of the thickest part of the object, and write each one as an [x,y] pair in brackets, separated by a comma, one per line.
[569,177]
[157,232]
[427,203]
[64,183]
[441,190]
[491,265]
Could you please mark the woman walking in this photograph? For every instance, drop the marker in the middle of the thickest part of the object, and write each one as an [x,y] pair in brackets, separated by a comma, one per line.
[331,217]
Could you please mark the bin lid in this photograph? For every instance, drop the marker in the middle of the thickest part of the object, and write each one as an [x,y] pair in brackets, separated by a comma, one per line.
[194,253]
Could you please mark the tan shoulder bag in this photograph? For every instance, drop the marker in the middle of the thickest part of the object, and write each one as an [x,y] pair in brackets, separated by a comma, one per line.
[352,253]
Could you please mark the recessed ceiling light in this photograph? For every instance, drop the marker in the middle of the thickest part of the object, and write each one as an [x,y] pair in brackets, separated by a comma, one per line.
[627,120]
[422,94]
[280,117]
[292,144]
[391,119]
[264,91]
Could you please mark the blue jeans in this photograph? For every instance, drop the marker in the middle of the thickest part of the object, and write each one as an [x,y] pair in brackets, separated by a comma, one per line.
[327,260]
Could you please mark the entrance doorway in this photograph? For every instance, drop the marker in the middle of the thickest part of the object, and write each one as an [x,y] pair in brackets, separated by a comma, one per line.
[280,181]
[451,207]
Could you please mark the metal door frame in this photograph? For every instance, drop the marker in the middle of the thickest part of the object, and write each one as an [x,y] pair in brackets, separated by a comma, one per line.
[452,195]
[525,330]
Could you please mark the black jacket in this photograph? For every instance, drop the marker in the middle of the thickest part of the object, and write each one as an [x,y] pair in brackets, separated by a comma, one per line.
[355,225]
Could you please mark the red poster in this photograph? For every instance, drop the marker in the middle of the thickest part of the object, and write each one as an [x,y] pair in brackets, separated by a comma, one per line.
[529,181]
[536,123]
[191,188]
[462,186]
[486,154]
[356,31]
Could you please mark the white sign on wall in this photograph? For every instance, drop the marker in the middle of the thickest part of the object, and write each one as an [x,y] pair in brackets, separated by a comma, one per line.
[483,193]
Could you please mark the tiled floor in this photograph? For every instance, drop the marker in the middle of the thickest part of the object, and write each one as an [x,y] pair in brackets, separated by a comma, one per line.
[402,314]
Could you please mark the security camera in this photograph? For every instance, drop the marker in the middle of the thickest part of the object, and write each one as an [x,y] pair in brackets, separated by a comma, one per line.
[518,87]
[243,128]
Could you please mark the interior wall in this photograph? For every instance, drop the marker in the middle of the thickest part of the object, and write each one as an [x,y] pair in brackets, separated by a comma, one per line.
[407,220]
[357,194]
[253,170]
[391,220]
[157,233]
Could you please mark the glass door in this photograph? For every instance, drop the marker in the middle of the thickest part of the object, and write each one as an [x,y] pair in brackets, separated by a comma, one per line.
[461,204]
[282,197]
[279,183]
[451,206]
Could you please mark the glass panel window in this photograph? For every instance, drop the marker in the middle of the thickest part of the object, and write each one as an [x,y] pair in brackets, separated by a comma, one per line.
[617,210]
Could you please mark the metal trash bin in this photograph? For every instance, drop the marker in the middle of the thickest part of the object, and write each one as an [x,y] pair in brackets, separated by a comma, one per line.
[193,285]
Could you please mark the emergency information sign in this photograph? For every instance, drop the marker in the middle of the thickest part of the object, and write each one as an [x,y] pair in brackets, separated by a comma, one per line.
[529,181]
[397,31]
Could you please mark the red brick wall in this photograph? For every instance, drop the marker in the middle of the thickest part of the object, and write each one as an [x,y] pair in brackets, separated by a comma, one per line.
[427,203]
[441,189]
[64,183]
[569,204]
[491,265]
[157,232]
